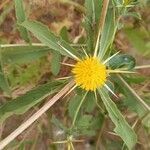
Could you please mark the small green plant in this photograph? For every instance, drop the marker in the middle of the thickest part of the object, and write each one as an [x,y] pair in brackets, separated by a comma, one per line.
[97,76]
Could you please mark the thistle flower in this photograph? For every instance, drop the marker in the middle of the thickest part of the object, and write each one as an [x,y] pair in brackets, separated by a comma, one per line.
[91,73]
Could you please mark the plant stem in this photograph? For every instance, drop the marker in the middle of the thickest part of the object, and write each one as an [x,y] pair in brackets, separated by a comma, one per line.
[101,24]
[142,67]
[35,116]
[34,44]
[77,111]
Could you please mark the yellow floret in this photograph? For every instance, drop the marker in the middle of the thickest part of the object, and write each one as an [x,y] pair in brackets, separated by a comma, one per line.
[89,73]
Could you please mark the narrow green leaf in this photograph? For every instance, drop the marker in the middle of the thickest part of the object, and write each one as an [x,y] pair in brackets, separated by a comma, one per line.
[122,60]
[20,15]
[55,63]
[42,32]
[122,127]
[23,103]
[108,33]
[23,54]
[93,11]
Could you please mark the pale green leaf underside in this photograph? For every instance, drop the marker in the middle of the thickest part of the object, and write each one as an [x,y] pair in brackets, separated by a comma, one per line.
[23,54]
[42,32]
[23,103]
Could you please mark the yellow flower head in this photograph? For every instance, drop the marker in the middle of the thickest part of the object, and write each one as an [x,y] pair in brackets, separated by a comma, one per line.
[89,73]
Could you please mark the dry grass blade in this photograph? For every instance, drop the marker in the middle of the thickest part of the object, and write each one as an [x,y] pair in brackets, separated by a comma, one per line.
[35,116]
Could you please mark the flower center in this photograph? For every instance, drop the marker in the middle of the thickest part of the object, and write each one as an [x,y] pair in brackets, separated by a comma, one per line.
[89,73]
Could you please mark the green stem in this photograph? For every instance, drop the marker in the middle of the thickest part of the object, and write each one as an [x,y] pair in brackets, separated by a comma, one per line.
[78,109]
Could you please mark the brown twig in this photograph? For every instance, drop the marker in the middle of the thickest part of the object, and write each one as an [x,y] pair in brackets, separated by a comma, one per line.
[35,116]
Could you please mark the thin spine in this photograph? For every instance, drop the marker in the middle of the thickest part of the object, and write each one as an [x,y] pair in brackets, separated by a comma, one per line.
[108,59]
[70,91]
[119,71]
[74,56]
[78,109]
[108,88]
[66,64]
[63,78]
[85,52]
[96,100]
